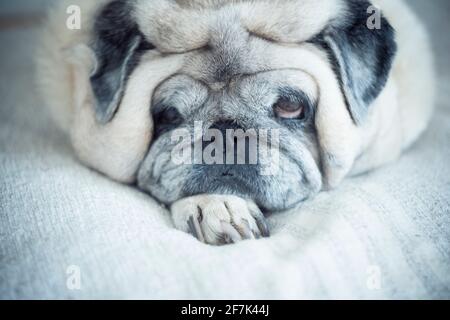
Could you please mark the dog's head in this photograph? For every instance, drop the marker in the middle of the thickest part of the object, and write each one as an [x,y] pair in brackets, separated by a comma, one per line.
[295,77]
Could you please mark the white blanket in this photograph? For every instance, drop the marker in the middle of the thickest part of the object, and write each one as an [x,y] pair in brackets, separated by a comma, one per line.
[68,232]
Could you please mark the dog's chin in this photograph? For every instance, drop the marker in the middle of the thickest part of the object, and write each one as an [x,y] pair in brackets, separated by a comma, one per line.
[279,186]
[270,193]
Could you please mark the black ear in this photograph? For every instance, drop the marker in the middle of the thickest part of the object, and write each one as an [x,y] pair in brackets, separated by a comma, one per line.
[362,56]
[118,45]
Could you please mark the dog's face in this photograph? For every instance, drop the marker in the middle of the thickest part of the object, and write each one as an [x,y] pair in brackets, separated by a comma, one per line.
[281,101]
[271,76]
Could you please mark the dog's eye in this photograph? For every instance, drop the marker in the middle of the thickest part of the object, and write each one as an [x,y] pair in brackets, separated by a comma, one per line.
[287,109]
[169,116]
[166,119]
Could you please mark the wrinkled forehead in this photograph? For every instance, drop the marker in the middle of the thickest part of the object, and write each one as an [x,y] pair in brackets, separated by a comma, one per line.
[228,38]
[181,26]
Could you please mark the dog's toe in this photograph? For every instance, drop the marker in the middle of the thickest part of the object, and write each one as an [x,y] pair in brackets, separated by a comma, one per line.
[217,219]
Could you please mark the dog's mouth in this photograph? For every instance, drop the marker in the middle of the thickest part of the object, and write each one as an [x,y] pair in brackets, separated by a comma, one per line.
[244,181]
[270,174]
[272,191]
[230,179]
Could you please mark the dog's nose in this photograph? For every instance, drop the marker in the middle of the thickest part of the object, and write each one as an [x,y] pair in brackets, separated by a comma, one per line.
[235,144]
[223,125]
[227,129]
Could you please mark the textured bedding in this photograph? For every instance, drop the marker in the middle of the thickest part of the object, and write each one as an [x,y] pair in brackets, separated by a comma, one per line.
[68,232]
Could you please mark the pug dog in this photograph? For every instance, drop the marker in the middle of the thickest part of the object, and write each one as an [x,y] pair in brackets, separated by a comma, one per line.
[347,85]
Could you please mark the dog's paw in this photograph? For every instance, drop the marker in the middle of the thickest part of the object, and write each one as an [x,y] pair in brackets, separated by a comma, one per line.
[217,219]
